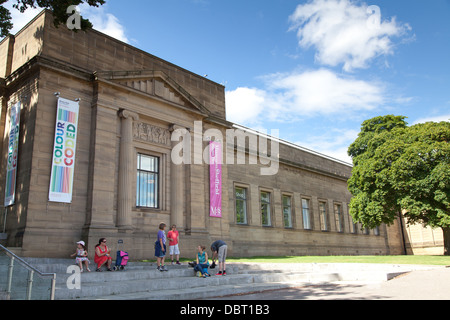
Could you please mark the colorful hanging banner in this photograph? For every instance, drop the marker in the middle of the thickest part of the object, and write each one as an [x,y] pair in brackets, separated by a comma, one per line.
[65,145]
[215,177]
[13,151]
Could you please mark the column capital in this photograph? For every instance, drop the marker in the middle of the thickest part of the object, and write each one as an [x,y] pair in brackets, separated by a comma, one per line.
[174,127]
[126,114]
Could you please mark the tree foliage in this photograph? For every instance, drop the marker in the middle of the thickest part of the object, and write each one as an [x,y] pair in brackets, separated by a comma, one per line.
[399,168]
[58,7]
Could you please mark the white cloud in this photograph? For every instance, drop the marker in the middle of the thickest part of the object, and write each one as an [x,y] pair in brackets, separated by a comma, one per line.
[244,105]
[287,97]
[433,119]
[19,19]
[324,92]
[334,143]
[342,32]
[345,32]
[103,21]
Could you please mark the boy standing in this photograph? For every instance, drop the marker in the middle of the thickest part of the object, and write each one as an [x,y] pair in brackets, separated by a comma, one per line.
[174,238]
[160,248]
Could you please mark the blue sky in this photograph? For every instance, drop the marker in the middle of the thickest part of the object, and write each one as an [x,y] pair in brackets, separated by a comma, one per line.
[313,69]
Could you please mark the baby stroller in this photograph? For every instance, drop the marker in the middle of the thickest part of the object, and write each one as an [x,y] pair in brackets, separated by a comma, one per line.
[122,258]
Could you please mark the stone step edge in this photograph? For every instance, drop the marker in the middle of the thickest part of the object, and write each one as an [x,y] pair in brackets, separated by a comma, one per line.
[193,282]
[206,292]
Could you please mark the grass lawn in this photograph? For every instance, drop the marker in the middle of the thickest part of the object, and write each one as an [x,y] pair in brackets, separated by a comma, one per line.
[423,260]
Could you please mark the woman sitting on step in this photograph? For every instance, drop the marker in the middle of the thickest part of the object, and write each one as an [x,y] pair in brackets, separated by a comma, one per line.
[102,255]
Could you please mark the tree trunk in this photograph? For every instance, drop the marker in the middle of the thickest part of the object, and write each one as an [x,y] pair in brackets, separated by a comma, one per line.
[446,241]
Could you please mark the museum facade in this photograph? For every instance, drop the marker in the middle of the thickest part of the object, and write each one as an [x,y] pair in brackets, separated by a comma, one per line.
[102,139]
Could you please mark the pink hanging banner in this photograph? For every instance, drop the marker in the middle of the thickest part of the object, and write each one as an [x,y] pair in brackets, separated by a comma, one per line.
[215,179]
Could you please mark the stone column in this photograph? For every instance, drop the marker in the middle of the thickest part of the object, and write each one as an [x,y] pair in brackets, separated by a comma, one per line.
[177,180]
[126,161]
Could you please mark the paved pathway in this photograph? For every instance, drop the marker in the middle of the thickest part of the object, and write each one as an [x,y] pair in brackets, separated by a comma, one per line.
[417,285]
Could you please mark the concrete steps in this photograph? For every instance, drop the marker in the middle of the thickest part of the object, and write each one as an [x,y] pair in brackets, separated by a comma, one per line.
[178,283]
[205,292]
[141,281]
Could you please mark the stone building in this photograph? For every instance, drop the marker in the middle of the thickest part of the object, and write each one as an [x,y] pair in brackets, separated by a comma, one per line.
[136,111]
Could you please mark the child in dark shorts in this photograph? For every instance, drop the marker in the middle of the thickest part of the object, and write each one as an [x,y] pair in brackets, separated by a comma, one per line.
[160,248]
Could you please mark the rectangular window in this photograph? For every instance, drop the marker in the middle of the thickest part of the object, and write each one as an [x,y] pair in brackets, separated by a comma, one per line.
[287,211]
[352,223]
[265,209]
[323,216]
[241,205]
[338,217]
[354,226]
[147,185]
[376,231]
[306,214]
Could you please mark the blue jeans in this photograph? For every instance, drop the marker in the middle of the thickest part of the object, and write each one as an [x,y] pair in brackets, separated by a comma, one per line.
[203,268]
[158,250]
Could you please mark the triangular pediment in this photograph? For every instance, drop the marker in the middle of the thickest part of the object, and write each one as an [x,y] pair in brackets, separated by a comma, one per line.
[154,83]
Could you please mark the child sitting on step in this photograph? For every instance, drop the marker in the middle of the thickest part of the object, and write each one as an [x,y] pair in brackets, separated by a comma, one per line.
[82,256]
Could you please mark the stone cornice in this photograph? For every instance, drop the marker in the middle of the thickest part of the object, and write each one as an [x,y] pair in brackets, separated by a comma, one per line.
[113,77]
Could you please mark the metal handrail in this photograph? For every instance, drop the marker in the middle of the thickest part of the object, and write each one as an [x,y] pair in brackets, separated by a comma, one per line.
[31,271]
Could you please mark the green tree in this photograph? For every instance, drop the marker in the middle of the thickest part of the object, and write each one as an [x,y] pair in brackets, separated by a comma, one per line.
[401,169]
[58,7]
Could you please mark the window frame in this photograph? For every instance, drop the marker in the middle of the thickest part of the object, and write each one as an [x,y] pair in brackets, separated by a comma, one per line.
[291,210]
[269,207]
[246,203]
[339,217]
[353,225]
[309,213]
[323,216]
[157,185]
